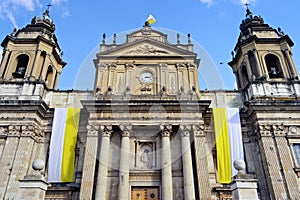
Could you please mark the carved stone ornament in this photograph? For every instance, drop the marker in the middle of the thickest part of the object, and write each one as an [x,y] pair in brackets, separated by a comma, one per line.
[32,131]
[166,130]
[264,130]
[106,130]
[112,65]
[199,130]
[279,130]
[146,50]
[190,65]
[164,65]
[3,131]
[293,130]
[185,130]
[129,65]
[126,130]
[180,65]
[92,130]
[28,130]
[14,130]
[103,65]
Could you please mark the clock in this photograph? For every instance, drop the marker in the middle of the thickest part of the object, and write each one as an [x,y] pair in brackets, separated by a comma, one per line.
[146,77]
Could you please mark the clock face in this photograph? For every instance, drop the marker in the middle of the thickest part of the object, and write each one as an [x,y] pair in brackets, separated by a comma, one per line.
[146,77]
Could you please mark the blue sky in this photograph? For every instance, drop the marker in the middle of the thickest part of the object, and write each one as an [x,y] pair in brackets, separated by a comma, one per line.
[213,25]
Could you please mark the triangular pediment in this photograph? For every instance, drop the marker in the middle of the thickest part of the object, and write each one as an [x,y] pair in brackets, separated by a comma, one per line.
[147,47]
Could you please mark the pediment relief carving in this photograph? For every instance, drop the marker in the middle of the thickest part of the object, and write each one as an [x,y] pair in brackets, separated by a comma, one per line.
[293,131]
[146,50]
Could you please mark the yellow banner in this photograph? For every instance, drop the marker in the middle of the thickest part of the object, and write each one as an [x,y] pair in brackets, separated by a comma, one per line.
[222,145]
[70,139]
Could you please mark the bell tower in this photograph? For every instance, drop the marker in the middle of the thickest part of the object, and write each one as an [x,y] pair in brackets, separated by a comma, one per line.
[32,53]
[262,60]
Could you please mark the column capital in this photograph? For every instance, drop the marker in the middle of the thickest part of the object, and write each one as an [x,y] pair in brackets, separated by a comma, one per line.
[180,65]
[190,65]
[199,130]
[126,129]
[279,130]
[6,50]
[166,130]
[103,65]
[106,130]
[185,130]
[14,130]
[32,131]
[264,130]
[92,130]
[129,65]
[3,131]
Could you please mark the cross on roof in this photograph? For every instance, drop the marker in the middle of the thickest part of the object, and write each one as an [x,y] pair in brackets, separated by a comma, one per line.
[247,5]
[49,5]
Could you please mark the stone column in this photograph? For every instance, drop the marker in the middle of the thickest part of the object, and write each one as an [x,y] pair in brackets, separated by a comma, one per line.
[124,163]
[188,177]
[88,171]
[291,66]
[249,70]
[5,60]
[34,67]
[201,162]
[106,131]
[258,64]
[167,185]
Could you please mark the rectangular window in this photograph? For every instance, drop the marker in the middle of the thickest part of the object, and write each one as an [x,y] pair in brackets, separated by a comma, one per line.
[296,148]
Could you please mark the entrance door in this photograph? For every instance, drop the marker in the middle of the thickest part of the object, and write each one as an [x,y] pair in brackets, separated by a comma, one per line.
[145,193]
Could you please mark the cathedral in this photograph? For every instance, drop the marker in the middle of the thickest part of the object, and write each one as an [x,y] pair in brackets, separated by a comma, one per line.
[147,131]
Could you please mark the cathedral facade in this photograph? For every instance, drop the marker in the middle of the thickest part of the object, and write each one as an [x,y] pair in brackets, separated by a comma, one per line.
[146,131]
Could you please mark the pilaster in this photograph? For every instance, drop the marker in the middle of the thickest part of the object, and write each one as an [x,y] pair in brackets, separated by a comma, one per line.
[88,172]
[271,163]
[21,161]
[286,161]
[201,162]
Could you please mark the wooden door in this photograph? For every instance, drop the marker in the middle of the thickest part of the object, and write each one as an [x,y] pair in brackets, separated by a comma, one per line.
[145,193]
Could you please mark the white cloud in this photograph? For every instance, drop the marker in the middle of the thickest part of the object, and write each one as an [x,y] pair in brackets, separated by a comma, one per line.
[243,2]
[58,2]
[27,4]
[208,2]
[9,9]
[11,18]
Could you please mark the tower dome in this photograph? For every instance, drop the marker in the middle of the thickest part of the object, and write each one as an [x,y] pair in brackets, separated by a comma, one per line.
[44,19]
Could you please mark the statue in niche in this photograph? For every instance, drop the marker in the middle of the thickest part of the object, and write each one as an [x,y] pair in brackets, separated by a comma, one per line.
[146,159]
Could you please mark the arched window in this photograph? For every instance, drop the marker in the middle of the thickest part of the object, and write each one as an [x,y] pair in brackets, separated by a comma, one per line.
[49,75]
[21,66]
[245,77]
[273,66]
